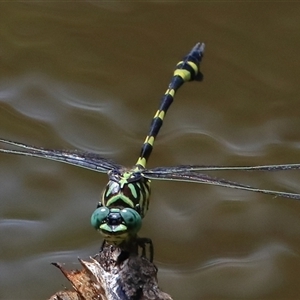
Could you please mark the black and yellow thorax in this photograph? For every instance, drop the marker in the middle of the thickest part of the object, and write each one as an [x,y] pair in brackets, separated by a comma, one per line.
[127,189]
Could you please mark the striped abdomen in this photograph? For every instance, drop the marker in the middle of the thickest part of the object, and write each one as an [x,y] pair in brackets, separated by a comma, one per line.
[186,70]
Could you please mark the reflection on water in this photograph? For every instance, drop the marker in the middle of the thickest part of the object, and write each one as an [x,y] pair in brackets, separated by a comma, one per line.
[89,76]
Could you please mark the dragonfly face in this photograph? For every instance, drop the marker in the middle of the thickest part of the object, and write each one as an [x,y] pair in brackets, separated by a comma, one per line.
[115,224]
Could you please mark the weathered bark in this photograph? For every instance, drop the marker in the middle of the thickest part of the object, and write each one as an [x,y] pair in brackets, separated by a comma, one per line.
[113,275]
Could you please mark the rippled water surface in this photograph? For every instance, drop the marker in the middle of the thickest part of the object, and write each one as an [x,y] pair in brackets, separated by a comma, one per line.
[89,75]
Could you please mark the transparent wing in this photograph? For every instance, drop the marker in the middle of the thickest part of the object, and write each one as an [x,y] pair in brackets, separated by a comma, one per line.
[86,160]
[195,168]
[206,179]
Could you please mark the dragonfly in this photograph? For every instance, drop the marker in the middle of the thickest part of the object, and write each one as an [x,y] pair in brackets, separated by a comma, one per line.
[125,199]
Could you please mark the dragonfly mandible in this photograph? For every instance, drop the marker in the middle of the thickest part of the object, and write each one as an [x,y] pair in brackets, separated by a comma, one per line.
[125,200]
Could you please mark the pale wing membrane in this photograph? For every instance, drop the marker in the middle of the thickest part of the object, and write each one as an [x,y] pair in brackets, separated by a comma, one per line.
[86,160]
[194,168]
[205,179]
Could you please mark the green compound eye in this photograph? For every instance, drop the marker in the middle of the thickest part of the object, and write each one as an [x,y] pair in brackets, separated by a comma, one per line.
[132,219]
[98,216]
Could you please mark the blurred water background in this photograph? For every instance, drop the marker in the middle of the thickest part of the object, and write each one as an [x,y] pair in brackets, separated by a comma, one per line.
[89,75]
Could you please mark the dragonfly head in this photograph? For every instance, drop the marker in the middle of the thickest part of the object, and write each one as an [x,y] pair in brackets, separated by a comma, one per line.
[115,224]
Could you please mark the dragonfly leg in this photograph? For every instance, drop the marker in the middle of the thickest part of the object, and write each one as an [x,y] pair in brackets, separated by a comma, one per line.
[142,243]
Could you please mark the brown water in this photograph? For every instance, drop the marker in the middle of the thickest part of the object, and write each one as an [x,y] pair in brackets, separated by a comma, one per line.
[89,75]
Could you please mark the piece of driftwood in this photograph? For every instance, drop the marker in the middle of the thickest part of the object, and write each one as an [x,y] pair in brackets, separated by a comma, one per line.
[113,274]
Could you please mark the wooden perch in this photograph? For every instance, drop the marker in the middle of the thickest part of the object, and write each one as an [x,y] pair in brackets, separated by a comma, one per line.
[113,274]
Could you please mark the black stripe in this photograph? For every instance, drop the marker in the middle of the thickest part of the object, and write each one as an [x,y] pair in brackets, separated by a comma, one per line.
[176,83]
[155,126]
[146,151]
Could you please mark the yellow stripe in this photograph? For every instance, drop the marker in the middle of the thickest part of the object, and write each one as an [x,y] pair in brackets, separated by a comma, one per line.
[194,66]
[142,161]
[109,191]
[146,139]
[184,74]
[120,197]
[170,92]
[133,190]
[150,140]
[161,115]
[156,114]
